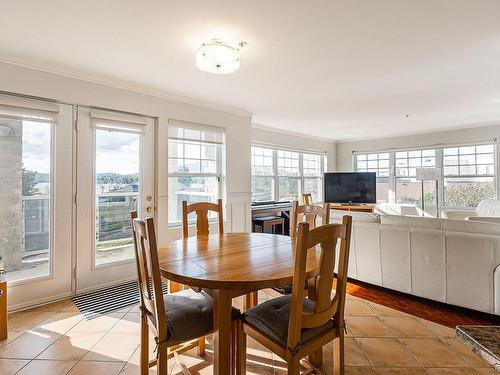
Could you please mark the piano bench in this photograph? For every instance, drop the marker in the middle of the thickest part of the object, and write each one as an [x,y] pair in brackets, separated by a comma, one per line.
[269,224]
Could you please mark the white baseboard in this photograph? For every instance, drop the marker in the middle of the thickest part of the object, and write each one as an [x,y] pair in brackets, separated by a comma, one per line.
[39,302]
[59,297]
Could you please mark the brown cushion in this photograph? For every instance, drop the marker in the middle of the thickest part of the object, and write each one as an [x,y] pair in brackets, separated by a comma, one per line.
[287,289]
[271,318]
[189,315]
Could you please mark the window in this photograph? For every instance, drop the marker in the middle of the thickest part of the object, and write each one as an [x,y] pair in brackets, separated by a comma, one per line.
[378,163]
[194,167]
[312,165]
[469,175]
[284,174]
[26,196]
[288,175]
[117,192]
[262,174]
[408,189]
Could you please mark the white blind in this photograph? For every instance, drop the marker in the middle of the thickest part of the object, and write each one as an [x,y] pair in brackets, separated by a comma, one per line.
[190,131]
[427,147]
[273,146]
[28,108]
[118,121]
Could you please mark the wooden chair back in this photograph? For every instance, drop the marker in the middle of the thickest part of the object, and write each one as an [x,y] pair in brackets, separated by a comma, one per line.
[308,213]
[306,198]
[201,209]
[325,308]
[148,271]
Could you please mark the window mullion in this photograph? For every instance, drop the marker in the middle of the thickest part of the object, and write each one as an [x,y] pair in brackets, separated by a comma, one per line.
[275,174]
[301,173]
[392,178]
[440,164]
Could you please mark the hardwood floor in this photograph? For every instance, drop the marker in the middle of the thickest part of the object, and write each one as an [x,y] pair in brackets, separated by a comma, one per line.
[436,312]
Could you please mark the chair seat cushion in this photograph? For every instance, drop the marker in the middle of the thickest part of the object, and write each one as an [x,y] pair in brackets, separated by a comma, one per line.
[287,289]
[189,315]
[271,319]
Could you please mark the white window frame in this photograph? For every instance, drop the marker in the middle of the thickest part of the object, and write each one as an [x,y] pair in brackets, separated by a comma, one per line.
[220,154]
[301,177]
[390,159]
[459,175]
[273,173]
[298,177]
[408,167]
[439,160]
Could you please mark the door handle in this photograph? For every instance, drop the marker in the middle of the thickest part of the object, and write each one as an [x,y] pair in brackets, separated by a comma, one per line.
[149,209]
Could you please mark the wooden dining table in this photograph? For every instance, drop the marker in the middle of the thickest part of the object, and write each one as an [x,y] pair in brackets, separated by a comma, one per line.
[231,264]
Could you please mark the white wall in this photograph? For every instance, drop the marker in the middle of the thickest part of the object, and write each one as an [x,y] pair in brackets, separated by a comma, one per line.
[22,80]
[265,135]
[458,136]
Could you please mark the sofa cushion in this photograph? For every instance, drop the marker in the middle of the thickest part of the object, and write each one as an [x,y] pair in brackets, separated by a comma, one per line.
[488,207]
[411,221]
[361,217]
[471,226]
[457,214]
[486,219]
[470,263]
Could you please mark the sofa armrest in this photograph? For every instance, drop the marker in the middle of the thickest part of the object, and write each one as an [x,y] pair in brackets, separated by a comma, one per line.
[457,214]
[488,219]
[496,288]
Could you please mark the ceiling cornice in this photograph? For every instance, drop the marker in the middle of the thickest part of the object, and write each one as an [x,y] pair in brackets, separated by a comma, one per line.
[472,125]
[120,85]
[292,133]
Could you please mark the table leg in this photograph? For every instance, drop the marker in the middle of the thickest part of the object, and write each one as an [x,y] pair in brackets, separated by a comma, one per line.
[222,332]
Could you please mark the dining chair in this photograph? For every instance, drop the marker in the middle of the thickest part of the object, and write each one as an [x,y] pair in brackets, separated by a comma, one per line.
[202,224]
[308,213]
[306,198]
[305,213]
[295,327]
[177,320]
[202,228]
[201,209]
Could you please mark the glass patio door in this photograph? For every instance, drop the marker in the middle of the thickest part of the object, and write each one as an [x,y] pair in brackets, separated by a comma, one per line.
[36,164]
[115,172]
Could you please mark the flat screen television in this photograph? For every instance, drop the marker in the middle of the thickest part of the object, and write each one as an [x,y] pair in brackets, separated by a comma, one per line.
[350,187]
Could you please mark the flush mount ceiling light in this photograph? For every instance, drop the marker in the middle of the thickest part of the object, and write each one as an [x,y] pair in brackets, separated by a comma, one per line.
[218,57]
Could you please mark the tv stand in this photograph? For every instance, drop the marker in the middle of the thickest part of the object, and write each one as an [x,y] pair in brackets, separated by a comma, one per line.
[355,207]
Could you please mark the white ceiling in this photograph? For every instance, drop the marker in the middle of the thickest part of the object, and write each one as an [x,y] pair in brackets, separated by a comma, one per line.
[337,69]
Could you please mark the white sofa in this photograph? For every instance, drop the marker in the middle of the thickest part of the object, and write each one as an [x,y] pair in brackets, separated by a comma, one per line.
[446,260]
[487,210]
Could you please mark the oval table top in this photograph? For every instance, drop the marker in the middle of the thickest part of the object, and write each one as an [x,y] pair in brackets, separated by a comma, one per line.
[233,261]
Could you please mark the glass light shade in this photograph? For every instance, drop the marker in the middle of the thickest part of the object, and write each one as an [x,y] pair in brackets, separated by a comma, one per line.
[218,58]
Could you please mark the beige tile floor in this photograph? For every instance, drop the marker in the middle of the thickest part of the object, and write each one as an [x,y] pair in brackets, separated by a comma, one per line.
[55,339]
